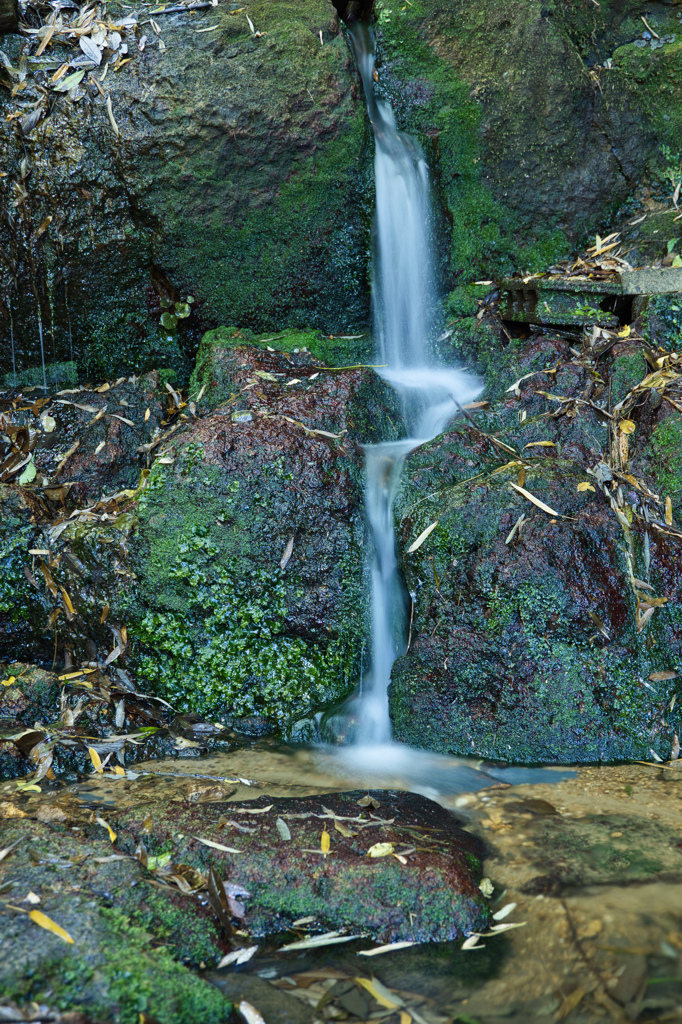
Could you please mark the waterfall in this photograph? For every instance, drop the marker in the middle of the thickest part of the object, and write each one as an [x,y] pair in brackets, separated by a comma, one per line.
[404,297]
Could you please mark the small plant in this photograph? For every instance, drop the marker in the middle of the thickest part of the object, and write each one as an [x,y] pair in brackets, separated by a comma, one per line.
[174,311]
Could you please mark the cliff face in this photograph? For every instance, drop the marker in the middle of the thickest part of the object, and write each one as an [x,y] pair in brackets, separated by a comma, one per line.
[235,166]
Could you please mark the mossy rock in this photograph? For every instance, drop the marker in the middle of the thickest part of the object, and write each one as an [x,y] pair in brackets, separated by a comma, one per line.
[526,641]
[113,970]
[233,578]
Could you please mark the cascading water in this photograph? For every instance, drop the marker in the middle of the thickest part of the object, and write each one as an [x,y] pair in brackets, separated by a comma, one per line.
[404,299]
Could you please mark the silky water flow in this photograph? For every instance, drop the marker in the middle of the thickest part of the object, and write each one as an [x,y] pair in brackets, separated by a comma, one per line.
[404,299]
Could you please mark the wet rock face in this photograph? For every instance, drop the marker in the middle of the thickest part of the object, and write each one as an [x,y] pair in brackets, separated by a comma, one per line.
[233,581]
[543,116]
[234,176]
[532,638]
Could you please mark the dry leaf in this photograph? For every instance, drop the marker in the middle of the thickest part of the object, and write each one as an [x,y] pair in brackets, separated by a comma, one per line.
[389,948]
[216,846]
[49,925]
[539,444]
[368,801]
[421,538]
[147,414]
[658,677]
[287,553]
[283,829]
[238,956]
[95,758]
[536,501]
[250,1013]
[325,841]
[107,826]
[113,124]
[626,426]
[381,850]
[585,486]
[389,1000]
[668,511]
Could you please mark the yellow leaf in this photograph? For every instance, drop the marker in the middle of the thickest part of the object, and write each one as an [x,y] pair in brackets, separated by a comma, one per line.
[536,501]
[343,829]
[95,758]
[625,332]
[668,511]
[118,770]
[67,602]
[381,850]
[325,841]
[540,444]
[405,1018]
[8,682]
[585,486]
[422,537]
[382,997]
[626,426]
[49,925]
[521,478]
[147,414]
[107,826]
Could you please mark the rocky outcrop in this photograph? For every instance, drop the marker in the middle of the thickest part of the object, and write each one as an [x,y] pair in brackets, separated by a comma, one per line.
[229,576]
[235,166]
[546,622]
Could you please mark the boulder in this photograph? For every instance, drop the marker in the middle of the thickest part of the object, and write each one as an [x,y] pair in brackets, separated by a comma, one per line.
[546,618]
[231,580]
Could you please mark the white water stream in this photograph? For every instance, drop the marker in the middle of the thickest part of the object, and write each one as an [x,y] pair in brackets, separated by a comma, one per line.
[404,300]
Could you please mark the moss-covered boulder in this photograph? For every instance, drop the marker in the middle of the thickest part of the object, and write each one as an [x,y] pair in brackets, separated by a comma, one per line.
[540,117]
[127,950]
[230,173]
[232,581]
[546,616]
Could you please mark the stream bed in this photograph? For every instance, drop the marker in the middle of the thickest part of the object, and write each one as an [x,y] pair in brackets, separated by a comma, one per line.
[585,870]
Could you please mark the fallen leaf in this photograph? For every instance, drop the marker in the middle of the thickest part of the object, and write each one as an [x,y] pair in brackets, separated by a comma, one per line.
[626,426]
[216,846]
[389,1000]
[31,897]
[585,486]
[668,511]
[8,682]
[385,949]
[112,119]
[422,537]
[504,912]
[283,829]
[536,501]
[657,677]
[472,943]
[325,841]
[107,826]
[368,801]
[381,850]
[238,956]
[287,553]
[95,758]
[313,941]
[49,925]
[539,444]
[250,1013]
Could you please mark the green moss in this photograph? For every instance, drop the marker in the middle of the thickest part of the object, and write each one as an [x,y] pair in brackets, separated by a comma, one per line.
[301,263]
[664,321]
[117,342]
[209,616]
[627,371]
[191,938]
[55,373]
[211,373]
[485,236]
[666,446]
[120,979]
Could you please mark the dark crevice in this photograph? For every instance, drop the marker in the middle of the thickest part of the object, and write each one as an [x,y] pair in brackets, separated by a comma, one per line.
[355,10]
